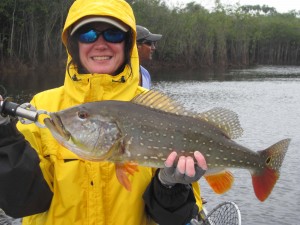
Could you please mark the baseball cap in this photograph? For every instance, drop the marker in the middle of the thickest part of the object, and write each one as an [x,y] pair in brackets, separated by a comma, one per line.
[144,34]
[103,19]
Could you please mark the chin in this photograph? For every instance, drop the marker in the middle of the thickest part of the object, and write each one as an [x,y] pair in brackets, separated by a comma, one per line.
[101,71]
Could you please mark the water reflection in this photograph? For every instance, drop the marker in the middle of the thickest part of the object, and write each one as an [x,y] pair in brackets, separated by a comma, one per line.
[250,74]
[22,86]
[199,75]
[265,73]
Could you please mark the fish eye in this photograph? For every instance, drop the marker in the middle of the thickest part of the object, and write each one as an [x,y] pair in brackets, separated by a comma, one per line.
[82,115]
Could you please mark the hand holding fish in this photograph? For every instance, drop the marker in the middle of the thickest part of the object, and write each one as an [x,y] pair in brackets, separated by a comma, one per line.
[185,171]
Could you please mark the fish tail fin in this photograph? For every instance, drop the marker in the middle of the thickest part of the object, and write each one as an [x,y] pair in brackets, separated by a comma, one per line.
[123,170]
[220,182]
[264,180]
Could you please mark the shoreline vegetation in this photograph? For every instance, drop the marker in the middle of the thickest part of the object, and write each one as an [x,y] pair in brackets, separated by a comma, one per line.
[229,36]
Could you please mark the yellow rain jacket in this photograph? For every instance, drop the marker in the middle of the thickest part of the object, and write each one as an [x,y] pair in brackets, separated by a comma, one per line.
[86,193]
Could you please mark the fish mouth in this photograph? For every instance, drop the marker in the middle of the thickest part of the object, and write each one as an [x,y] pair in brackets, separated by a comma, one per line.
[55,125]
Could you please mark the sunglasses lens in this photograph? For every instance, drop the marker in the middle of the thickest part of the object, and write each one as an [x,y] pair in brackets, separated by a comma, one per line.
[88,37]
[114,36]
[149,43]
[110,35]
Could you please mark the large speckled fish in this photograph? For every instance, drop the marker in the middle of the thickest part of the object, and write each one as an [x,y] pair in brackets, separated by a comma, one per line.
[147,129]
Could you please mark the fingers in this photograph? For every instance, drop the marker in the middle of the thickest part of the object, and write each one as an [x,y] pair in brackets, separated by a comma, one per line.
[171,159]
[186,164]
[190,167]
[169,164]
[186,170]
[181,165]
[200,160]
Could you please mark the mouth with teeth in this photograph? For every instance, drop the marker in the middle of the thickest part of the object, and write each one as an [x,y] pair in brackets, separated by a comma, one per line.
[101,58]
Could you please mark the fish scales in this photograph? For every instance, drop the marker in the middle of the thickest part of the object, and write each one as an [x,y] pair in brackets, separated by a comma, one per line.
[147,129]
[156,133]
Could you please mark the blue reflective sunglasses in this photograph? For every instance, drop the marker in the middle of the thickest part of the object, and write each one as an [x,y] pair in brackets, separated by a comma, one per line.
[109,35]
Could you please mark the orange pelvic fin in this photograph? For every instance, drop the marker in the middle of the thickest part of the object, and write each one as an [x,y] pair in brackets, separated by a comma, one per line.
[123,171]
[220,182]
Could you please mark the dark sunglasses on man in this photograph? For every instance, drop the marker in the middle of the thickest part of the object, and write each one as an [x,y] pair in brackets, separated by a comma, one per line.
[148,43]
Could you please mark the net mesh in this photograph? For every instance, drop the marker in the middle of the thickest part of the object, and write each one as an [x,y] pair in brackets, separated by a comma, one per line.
[226,213]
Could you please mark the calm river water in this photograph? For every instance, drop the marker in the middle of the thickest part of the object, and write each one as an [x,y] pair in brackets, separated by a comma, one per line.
[267,100]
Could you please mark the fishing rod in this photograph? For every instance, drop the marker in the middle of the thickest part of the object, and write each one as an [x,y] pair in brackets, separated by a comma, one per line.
[25,112]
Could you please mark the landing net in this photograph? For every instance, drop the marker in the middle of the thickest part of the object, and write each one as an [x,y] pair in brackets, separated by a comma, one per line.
[226,213]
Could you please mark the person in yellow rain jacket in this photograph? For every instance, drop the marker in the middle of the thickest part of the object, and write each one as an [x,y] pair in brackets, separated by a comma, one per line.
[48,184]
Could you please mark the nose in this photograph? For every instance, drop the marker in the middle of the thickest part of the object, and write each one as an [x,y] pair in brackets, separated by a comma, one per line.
[100,39]
[100,42]
[153,46]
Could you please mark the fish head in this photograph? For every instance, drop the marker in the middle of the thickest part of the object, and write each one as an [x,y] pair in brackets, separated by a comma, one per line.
[88,132]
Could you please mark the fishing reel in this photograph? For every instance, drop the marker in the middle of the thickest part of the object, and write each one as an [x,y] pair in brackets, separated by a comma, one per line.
[25,112]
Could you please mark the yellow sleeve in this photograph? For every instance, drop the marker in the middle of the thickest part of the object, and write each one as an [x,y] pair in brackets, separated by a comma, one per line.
[196,189]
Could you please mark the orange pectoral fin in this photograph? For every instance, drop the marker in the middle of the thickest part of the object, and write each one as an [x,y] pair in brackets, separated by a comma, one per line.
[123,171]
[220,182]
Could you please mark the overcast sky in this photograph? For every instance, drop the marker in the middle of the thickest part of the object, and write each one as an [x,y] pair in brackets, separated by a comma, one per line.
[280,5]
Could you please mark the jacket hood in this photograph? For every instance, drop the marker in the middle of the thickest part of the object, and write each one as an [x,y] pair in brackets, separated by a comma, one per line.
[117,9]
[95,87]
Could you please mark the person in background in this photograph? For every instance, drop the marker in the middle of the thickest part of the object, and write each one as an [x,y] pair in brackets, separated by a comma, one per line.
[146,42]
[47,184]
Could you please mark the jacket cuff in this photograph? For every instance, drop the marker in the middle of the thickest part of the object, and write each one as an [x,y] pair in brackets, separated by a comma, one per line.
[171,197]
[166,205]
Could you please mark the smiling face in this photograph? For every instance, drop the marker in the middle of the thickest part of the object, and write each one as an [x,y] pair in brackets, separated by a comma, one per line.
[101,56]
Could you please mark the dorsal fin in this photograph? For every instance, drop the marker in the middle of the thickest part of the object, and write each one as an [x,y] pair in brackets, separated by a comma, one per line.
[225,119]
[160,101]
